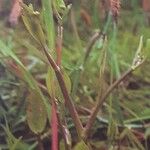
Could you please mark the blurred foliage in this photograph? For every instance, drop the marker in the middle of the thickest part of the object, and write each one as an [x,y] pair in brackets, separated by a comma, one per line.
[127,108]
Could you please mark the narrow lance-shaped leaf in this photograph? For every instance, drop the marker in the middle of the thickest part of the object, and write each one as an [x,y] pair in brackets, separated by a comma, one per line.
[139,56]
[147,48]
[32,22]
[49,22]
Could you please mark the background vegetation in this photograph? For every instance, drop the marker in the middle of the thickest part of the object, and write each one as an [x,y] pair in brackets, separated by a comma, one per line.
[123,121]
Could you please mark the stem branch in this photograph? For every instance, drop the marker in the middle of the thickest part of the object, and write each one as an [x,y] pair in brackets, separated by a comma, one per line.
[68,101]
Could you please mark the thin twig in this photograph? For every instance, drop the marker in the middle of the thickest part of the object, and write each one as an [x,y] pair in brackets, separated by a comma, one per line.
[55,115]
[61,118]
[91,43]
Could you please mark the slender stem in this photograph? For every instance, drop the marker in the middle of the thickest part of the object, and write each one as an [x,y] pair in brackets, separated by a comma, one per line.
[68,101]
[54,118]
[61,116]
[54,126]
[90,44]
[63,126]
[100,102]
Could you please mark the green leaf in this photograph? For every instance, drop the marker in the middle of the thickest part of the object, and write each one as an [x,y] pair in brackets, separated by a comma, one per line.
[36,112]
[139,56]
[53,85]
[50,78]
[49,22]
[60,10]
[33,50]
[59,6]
[148,43]
[147,48]
[32,22]
[81,146]
[26,75]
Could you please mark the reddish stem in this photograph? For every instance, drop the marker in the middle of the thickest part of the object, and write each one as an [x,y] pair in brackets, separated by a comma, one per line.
[54,121]
[59,45]
[54,125]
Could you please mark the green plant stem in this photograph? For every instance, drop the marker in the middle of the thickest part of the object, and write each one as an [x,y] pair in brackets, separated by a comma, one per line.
[91,42]
[68,101]
[100,102]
